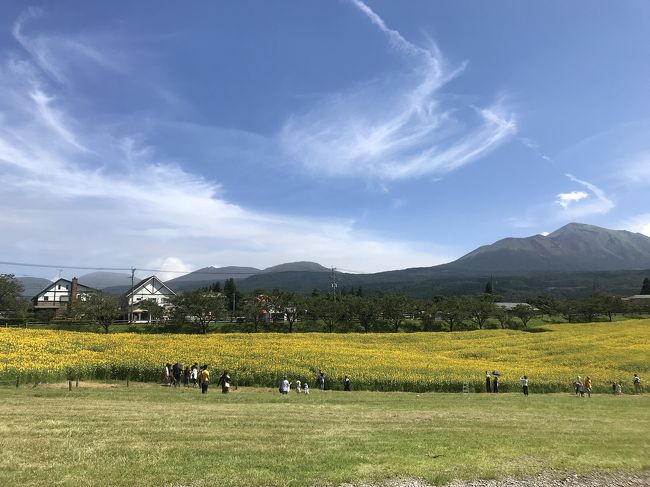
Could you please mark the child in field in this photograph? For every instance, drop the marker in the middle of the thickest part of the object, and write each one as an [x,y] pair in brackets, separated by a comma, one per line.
[305,388]
[298,387]
[619,389]
[636,380]
[588,386]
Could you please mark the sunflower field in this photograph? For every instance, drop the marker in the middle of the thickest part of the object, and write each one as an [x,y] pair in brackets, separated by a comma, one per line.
[416,362]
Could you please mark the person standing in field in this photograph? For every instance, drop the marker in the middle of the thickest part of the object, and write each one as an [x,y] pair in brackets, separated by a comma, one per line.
[613,387]
[495,384]
[177,370]
[487,382]
[298,387]
[588,386]
[619,389]
[194,374]
[321,380]
[224,380]
[186,376]
[580,387]
[346,384]
[524,384]
[168,374]
[305,388]
[205,379]
[284,386]
[636,381]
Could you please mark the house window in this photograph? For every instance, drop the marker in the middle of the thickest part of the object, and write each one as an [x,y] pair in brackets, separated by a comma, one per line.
[46,298]
[139,299]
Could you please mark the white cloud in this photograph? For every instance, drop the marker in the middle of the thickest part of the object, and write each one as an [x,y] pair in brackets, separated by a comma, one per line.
[80,194]
[579,204]
[399,127]
[565,199]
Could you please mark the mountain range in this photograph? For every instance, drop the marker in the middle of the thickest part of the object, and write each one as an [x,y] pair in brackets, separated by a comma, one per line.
[573,260]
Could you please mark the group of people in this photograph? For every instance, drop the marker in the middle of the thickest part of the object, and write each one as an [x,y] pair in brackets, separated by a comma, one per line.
[303,387]
[191,376]
[582,387]
[300,387]
[492,382]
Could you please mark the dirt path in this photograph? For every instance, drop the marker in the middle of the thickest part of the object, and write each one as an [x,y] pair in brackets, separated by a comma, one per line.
[591,480]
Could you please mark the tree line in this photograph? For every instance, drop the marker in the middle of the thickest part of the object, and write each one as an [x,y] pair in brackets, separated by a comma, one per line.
[345,311]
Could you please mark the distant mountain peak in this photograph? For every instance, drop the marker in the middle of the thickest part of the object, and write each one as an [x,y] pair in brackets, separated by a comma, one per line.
[573,247]
[301,266]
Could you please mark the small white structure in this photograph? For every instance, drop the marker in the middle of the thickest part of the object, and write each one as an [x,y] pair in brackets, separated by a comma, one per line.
[511,306]
[149,289]
[58,295]
[636,297]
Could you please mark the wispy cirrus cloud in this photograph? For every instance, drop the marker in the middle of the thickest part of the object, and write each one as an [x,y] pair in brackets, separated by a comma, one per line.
[578,204]
[399,127]
[55,54]
[114,199]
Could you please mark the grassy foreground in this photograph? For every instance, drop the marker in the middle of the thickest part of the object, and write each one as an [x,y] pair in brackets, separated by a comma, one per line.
[148,435]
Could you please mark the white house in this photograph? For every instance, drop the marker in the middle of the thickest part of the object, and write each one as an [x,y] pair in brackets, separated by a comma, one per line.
[58,295]
[149,289]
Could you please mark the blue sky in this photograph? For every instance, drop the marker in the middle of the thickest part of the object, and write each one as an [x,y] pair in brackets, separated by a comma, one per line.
[365,136]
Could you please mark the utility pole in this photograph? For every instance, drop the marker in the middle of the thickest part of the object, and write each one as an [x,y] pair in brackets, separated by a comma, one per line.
[334,283]
[234,295]
[132,297]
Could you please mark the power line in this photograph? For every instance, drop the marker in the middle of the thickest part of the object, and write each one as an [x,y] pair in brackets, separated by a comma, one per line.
[128,269]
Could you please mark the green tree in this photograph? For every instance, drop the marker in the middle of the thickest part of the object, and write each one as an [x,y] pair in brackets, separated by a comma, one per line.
[288,304]
[99,308]
[215,287]
[232,295]
[155,311]
[488,287]
[365,310]
[328,309]
[607,305]
[428,314]
[525,312]
[11,290]
[480,309]
[452,310]
[503,316]
[254,308]
[199,307]
[393,309]
[546,305]
[645,287]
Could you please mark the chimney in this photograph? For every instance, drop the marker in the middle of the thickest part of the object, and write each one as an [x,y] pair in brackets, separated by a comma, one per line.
[73,291]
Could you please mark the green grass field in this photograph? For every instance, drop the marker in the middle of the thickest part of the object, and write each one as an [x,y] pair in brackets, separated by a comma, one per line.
[149,435]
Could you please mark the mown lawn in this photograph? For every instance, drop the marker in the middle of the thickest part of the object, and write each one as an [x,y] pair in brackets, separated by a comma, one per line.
[148,435]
